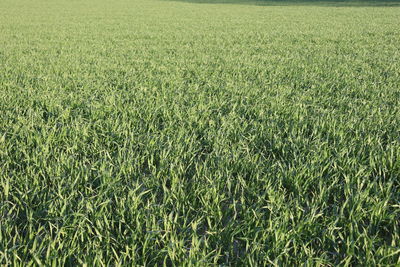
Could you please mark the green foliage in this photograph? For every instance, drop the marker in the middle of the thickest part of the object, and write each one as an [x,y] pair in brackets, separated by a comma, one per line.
[138,132]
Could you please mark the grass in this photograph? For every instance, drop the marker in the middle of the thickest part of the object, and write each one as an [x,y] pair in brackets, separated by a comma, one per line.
[144,132]
[325,3]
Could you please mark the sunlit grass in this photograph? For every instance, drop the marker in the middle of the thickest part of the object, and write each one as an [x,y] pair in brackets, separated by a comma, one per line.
[160,132]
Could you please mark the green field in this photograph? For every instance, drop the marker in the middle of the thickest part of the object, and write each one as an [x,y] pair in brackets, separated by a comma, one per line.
[199,133]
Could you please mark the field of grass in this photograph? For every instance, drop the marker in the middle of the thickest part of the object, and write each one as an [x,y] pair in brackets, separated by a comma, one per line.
[151,132]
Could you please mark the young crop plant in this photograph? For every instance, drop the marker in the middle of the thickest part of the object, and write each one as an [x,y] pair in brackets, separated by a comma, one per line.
[199,133]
